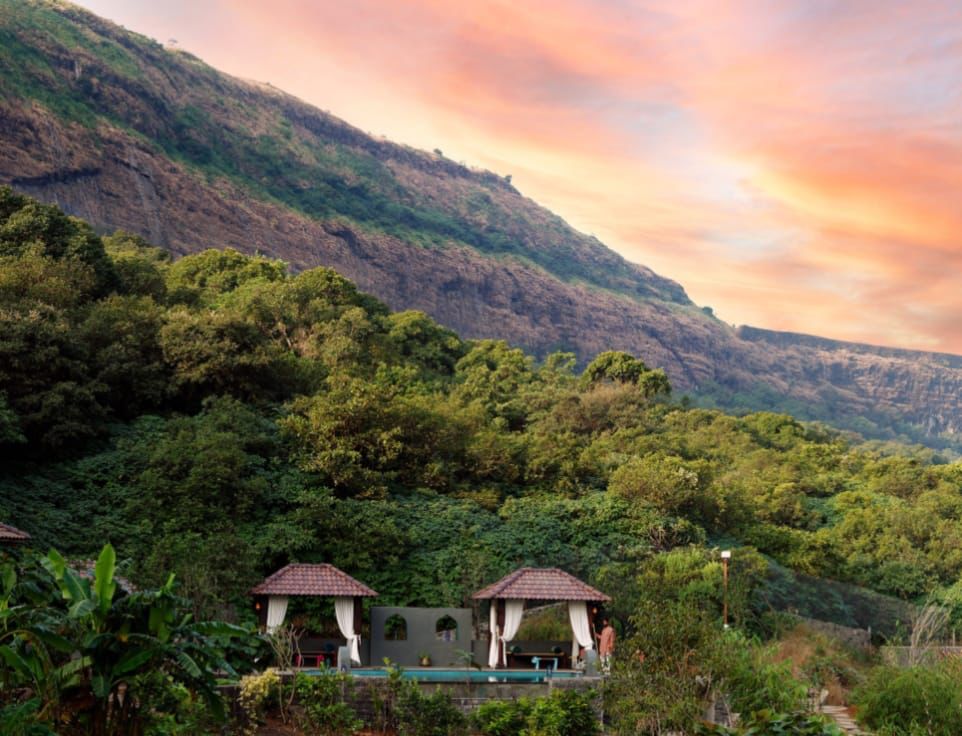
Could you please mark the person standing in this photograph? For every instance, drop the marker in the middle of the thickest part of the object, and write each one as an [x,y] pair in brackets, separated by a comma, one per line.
[606,645]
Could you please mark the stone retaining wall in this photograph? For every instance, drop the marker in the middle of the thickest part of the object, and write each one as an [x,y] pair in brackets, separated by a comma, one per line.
[367,695]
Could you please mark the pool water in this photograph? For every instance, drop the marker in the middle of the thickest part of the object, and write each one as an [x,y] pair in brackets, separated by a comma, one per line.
[454,675]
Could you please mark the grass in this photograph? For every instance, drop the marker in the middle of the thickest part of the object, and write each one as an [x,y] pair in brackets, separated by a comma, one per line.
[823,662]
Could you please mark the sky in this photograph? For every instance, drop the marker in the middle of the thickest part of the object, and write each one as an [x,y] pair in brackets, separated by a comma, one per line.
[794,164]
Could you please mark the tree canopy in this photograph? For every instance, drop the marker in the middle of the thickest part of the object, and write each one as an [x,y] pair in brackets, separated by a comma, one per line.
[218,416]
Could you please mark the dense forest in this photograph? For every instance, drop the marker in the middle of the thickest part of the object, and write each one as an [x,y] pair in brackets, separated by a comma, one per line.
[218,416]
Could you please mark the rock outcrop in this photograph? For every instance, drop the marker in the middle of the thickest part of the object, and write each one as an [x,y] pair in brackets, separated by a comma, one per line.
[127,135]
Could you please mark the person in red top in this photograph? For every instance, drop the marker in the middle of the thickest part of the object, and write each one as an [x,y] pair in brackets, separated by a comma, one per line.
[606,644]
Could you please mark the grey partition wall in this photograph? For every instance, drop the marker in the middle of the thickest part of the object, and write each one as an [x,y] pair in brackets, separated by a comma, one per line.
[422,635]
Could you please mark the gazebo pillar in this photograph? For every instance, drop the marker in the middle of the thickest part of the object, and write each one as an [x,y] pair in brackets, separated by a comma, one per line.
[502,662]
[260,608]
[592,619]
[358,615]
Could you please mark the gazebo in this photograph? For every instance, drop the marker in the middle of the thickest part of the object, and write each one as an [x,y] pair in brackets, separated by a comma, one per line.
[509,594]
[321,580]
[10,535]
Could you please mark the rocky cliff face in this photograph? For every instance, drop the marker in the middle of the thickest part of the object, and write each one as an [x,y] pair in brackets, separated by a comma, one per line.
[117,130]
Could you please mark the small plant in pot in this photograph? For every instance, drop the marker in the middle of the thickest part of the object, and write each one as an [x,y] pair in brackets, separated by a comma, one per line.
[424,659]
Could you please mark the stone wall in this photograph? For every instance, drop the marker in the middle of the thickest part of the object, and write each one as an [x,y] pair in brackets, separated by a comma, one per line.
[366,694]
[422,636]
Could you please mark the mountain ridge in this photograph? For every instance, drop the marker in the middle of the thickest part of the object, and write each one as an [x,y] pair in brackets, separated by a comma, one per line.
[126,134]
[786,337]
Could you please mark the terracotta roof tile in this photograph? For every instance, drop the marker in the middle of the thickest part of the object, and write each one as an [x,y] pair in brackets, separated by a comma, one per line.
[12,534]
[541,584]
[318,580]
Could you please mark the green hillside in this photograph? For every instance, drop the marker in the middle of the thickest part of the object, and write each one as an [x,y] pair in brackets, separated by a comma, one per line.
[91,72]
[217,416]
[120,131]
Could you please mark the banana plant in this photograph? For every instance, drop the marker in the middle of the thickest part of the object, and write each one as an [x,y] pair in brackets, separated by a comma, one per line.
[86,652]
[32,654]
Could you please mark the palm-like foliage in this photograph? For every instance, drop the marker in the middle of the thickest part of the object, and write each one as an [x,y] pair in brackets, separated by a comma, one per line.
[76,654]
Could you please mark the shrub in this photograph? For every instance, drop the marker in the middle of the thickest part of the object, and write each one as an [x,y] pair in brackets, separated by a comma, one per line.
[668,690]
[827,666]
[174,711]
[754,682]
[324,711]
[73,649]
[768,723]
[502,717]
[563,713]
[923,699]
[255,690]
[21,719]
[385,702]
[428,715]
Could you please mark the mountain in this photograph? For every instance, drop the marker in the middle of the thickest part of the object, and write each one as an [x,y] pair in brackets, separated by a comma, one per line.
[126,134]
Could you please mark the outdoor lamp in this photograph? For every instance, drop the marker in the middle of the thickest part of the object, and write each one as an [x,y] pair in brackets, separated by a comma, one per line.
[726,555]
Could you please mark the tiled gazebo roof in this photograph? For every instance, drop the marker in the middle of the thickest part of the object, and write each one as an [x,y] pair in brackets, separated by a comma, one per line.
[313,580]
[541,584]
[12,535]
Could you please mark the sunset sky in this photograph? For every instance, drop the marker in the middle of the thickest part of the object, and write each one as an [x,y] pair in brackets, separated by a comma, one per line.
[795,165]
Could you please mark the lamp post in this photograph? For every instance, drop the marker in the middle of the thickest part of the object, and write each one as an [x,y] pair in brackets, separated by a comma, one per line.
[726,555]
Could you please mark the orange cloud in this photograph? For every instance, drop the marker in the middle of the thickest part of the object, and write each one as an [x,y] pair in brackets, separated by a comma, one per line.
[796,165]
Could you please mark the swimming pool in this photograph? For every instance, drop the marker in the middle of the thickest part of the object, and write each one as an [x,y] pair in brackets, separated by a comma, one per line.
[454,675]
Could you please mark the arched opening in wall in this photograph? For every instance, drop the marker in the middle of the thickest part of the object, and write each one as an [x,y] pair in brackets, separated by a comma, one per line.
[396,628]
[446,629]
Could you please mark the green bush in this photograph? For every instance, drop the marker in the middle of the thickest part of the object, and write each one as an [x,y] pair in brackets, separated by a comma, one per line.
[826,666]
[71,647]
[502,717]
[563,713]
[769,723]
[21,719]
[428,715]
[904,702]
[323,709]
[754,682]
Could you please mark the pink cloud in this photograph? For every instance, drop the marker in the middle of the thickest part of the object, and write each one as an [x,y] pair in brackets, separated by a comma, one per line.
[796,165]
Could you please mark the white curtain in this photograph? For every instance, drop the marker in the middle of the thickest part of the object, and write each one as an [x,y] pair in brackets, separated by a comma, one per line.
[344,610]
[276,611]
[578,614]
[495,635]
[513,611]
